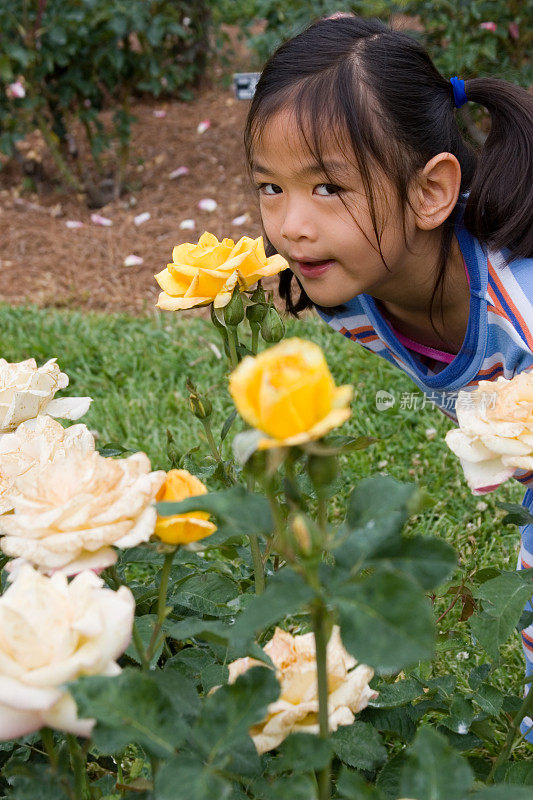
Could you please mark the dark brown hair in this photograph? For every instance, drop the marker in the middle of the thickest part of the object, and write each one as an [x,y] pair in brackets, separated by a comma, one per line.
[379,88]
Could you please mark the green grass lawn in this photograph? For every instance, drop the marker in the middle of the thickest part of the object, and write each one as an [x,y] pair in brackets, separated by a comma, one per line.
[135,369]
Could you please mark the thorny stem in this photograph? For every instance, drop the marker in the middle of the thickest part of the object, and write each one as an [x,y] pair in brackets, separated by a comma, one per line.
[211,441]
[47,738]
[161,603]
[526,706]
[319,618]
[255,337]
[78,760]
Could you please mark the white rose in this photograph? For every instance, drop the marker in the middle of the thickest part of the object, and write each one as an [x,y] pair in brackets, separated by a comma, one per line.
[495,434]
[36,442]
[27,391]
[52,632]
[71,511]
[297,707]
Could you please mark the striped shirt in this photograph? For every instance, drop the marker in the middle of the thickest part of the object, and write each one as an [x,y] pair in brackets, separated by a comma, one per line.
[498,340]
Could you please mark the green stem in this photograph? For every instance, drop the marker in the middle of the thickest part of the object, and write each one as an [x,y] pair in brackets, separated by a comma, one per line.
[319,618]
[47,738]
[161,603]
[211,441]
[78,762]
[255,327]
[60,162]
[233,341]
[259,574]
[322,515]
[137,641]
[526,706]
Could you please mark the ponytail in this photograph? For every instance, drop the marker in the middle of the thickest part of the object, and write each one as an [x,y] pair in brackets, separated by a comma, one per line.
[500,203]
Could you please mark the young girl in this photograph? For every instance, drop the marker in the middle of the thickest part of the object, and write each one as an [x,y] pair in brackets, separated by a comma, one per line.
[400,235]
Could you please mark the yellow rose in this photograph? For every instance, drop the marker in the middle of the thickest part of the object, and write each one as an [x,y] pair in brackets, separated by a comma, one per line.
[182,528]
[296,709]
[495,433]
[208,272]
[287,392]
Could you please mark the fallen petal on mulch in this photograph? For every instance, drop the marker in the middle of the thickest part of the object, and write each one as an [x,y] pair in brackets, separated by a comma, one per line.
[73,224]
[133,261]
[98,219]
[240,220]
[207,204]
[203,126]
[187,225]
[177,173]
[140,218]
[159,113]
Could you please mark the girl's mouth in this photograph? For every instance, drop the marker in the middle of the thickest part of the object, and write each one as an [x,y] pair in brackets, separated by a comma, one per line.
[312,269]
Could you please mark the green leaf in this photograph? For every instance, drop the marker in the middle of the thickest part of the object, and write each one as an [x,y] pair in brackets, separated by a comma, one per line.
[377,511]
[185,777]
[427,560]
[132,706]
[516,514]
[433,770]
[477,675]
[228,422]
[489,699]
[385,621]
[400,693]
[205,593]
[297,787]
[212,630]
[359,745]
[388,780]
[502,792]
[286,594]
[229,713]
[36,781]
[519,773]
[301,752]
[398,721]
[238,512]
[352,786]
[503,600]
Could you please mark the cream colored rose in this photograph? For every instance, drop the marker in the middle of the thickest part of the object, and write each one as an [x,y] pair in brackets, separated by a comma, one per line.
[70,512]
[36,442]
[52,632]
[296,710]
[208,272]
[495,433]
[27,391]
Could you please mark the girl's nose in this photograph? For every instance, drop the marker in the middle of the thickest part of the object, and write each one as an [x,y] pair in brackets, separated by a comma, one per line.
[297,223]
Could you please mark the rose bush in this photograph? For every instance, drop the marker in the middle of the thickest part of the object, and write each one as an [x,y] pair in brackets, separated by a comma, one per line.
[182,528]
[208,272]
[296,710]
[35,443]
[495,433]
[52,632]
[27,390]
[287,392]
[70,512]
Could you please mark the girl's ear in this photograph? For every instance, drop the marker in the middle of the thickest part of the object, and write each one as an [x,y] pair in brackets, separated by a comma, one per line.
[436,189]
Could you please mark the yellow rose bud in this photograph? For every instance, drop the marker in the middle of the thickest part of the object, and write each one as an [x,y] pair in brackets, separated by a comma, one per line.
[287,392]
[182,528]
[207,272]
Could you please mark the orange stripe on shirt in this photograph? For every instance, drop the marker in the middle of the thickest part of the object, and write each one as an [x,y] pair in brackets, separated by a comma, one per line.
[523,327]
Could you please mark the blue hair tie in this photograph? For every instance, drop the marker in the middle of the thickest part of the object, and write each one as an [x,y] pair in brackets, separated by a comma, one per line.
[459,94]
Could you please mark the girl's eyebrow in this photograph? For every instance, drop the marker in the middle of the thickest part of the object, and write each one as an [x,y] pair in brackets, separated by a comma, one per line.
[311,169]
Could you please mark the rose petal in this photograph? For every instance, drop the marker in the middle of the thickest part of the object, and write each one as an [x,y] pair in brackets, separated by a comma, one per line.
[98,219]
[74,224]
[187,225]
[178,173]
[203,126]
[68,407]
[140,218]
[133,261]
[207,204]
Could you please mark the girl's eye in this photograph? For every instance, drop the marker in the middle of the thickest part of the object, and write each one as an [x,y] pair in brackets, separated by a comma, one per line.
[269,189]
[329,189]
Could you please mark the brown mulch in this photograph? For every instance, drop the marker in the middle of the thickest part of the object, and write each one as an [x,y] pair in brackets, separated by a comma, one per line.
[44,262]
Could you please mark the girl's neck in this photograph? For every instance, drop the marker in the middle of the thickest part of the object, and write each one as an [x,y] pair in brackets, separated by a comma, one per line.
[410,315]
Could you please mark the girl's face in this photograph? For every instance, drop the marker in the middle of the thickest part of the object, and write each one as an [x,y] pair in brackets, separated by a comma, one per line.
[331,248]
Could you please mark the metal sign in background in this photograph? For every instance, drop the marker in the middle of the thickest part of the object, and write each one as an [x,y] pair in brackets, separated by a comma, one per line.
[244,84]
